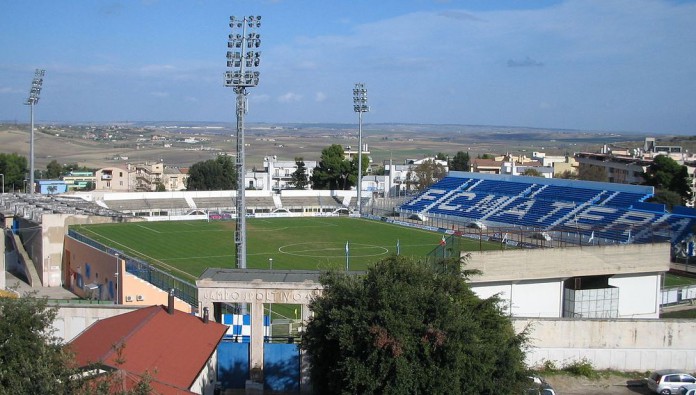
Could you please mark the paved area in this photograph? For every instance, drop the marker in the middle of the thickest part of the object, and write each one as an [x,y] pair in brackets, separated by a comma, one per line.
[18,284]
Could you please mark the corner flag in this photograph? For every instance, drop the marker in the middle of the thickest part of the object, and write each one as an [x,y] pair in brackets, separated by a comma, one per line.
[347,256]
[398,249]
[443,241]
[591,237]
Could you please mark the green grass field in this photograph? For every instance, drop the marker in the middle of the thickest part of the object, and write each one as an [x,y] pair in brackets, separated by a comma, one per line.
[318,243]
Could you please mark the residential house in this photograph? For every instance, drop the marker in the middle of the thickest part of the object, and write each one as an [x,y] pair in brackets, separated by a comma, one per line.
[177,350]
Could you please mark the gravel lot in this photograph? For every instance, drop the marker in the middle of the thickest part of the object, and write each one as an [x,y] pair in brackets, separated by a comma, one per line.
[616,385]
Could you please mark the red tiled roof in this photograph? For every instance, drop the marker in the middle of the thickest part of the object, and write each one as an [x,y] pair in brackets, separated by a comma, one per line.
[173,348]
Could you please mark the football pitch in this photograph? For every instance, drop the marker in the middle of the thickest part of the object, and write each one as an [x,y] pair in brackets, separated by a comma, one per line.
[187,248]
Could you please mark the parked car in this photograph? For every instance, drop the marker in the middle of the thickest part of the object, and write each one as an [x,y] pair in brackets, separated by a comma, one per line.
[668,381]
[689,389]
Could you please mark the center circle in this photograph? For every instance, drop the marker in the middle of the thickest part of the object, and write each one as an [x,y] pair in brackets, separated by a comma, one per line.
[333,250]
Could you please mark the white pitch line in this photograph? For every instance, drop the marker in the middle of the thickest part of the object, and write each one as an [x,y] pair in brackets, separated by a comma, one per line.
[150,229]
[140,254]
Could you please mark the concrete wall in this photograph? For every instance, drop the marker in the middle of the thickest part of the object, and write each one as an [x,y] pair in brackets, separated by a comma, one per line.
[71,320]
[637,295]
[554,263]
[205,382]
[526,298]
[3,258]
[530,282]
[625,345]
[30,234]
[103,269]
[44,242]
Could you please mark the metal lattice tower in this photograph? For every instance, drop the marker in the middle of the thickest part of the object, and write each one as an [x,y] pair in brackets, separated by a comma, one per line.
[34,92]
[242,61]
[360,106]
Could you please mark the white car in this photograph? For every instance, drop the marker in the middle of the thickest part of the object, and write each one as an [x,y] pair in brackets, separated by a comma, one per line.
[668,381]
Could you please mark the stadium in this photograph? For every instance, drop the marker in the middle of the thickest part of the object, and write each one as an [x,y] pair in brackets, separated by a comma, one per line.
[567,255]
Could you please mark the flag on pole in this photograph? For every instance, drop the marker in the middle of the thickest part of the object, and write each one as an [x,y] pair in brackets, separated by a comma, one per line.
[505,236]
[398,249]
[347,254]
[347,248]
[629,236]
[591,237]
[443,241]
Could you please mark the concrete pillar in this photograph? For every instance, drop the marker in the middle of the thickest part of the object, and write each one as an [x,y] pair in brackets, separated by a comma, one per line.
[256,352]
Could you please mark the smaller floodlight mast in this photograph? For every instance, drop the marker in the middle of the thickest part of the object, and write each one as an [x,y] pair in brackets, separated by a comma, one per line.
[34,92]
[360,106]
[243,61]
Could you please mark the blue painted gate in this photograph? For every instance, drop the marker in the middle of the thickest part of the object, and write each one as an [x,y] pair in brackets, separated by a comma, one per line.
[233,364]
[281,367]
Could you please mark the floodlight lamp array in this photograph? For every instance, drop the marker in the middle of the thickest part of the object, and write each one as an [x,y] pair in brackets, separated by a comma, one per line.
[36,84]
[360,98]
[241,57]
[242,79]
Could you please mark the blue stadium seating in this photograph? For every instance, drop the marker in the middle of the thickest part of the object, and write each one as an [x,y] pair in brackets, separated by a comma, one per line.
[612,212]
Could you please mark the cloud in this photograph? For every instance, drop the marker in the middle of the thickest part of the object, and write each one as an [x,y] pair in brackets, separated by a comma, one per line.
[260,98]
[526,62]
[289,97]
[7,89]
[319,97]
[151,69]
[160,94]
[459,15]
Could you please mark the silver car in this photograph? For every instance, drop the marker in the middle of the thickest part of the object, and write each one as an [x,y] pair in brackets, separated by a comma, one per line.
[668,381]
[689,389]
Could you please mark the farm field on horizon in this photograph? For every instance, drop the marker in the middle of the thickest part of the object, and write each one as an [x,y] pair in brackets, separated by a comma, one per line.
[187,248]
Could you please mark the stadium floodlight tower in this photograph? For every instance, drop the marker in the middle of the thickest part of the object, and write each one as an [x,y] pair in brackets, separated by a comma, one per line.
[34,92]
[243,61]
[360,106]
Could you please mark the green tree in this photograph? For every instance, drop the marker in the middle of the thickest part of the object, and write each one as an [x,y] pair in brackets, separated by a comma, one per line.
[406,328]
[53,170]
[353,176]
[666,197]
[333,170]
[299,176]
[588,172]
[665,174]
[568,175]
[460,162]
[531,172]
[15,170]
[426,174]
[212,175]
[159,187]
[32,359]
